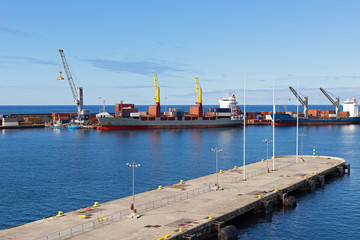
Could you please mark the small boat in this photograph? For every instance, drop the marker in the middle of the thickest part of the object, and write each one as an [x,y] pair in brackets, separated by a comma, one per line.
[75,127]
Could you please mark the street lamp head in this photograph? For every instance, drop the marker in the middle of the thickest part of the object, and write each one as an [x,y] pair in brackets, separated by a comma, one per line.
[216,149]
[133,164]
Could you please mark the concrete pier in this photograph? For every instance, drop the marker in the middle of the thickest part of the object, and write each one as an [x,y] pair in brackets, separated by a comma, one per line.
[192,209]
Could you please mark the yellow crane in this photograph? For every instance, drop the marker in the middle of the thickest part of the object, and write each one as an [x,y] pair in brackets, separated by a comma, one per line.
[198,91]
[199,109]
[157,89]
[156,110]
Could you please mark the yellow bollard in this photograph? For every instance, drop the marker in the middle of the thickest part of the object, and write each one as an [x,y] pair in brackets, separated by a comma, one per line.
[60,214]
[210,217]
[275,189]
[181,182]
[305,177]
[167,236]
[180,230]
[160,187]
[221,171]
[262,160]
[96,204]
[235,167]
[160,238]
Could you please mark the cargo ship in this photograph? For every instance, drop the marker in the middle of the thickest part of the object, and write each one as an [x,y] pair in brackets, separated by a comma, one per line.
[127,117]
[349,115]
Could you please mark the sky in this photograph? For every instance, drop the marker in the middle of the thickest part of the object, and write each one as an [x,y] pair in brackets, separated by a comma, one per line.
[114,48]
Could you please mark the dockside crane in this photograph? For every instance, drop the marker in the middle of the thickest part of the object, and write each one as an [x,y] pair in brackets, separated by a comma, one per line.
[304,102]
[199,97]
[83,114]
[336,103]
[157,95]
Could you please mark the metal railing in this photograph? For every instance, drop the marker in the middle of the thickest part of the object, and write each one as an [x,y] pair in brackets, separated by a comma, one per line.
[71,231]
[261,171]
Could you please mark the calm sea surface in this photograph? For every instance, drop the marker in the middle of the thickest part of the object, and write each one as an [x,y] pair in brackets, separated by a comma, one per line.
[44,171]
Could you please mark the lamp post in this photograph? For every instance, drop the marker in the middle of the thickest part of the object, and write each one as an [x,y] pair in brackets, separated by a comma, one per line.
[267,141]
[133,165]
[216,150]
[302,145]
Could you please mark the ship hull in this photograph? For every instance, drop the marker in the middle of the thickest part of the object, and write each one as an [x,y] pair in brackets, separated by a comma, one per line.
[112,123]
[287,120]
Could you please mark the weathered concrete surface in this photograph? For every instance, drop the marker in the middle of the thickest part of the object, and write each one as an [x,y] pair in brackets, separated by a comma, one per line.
[191,214]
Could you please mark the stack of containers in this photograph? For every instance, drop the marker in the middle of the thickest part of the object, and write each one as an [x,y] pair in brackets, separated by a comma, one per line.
[126,110]
[223,112]
[177,112]
[344,114]
[62,117]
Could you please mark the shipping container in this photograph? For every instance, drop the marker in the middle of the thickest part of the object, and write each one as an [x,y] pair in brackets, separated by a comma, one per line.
[194,110]
[135,114]
[344,114]
[332,115]
[179,114]
[211,109]
[33,119]
[8,124]
[223,114]
[176,110]
[152,110]
[223,110]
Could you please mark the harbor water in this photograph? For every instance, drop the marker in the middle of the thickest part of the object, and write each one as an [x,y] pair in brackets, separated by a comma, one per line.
[44,171]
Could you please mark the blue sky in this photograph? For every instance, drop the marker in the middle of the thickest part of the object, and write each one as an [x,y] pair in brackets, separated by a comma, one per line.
[115,47]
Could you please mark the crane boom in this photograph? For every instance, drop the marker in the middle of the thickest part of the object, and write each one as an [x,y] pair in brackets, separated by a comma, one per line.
[336,103]
[303,102]
[198,90]
[69,76]
[157,96]
[83,114]
[157,88]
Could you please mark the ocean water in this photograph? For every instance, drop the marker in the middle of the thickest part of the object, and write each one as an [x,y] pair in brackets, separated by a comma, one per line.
[31,109]
[44,171]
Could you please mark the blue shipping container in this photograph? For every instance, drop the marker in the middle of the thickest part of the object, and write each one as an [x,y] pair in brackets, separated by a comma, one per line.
[224,110]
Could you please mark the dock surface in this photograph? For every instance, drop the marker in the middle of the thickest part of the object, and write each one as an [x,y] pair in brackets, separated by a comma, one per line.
[179,209]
